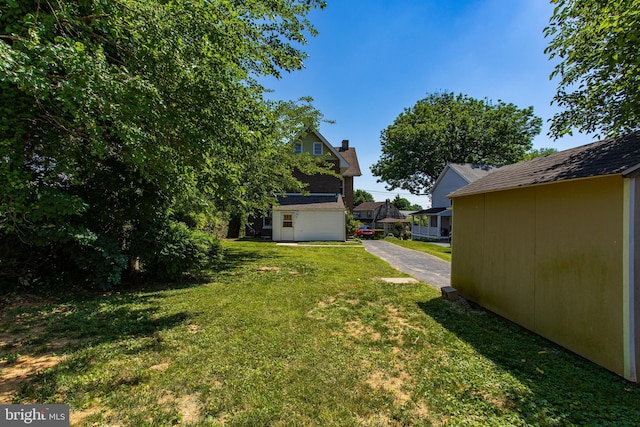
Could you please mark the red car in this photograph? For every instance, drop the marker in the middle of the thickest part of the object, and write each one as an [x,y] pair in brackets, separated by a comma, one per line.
[365,231]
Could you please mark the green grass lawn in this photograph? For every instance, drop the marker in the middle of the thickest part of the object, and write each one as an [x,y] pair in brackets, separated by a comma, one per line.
[298,336]
[442,252]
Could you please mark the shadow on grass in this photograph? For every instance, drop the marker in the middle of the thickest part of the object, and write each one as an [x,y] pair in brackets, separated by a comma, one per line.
[563,385]
[89,318]
[81,326]
[238,255]
[129,310]
[85,324]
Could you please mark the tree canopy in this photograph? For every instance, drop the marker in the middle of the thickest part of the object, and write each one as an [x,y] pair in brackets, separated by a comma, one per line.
[121,120]
[597,48]
[361,196]
[401,203]
[539,152]
[444,128]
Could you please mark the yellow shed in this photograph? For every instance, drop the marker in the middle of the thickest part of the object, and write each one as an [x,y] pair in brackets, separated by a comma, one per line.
[550,244]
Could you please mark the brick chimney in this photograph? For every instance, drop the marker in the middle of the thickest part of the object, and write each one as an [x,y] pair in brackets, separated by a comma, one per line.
[345,145]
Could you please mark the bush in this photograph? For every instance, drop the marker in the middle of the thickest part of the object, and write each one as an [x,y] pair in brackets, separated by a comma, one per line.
[175,249]
[82,258]
[351,224]
[98,261]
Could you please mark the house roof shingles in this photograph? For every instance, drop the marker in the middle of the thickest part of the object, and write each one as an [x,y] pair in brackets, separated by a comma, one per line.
[368,206]
[311,203]
[349,154]
[608,157]
[471,171]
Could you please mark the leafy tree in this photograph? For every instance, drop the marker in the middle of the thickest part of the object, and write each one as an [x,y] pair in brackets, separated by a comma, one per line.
[444,128]
[361,196]
[597,45]
[415,207]
[538,152]
[118,119]
[401,203]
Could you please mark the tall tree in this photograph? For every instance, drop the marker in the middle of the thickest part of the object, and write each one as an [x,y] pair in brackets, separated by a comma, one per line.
[361,196]
[444,128]
[401,203]
[597,46]
[118,115]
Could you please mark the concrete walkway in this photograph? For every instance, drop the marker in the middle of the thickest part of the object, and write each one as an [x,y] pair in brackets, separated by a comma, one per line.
[424,267]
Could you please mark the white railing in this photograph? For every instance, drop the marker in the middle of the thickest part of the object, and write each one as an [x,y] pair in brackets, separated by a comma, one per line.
[425,232]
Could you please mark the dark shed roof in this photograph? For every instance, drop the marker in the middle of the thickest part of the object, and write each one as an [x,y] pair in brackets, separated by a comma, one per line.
[608,157]
[311,203]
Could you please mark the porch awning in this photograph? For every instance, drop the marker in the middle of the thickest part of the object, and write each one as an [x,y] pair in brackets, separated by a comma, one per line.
[433,212]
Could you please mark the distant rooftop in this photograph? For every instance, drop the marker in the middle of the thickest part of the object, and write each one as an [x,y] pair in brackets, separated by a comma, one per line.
[472,171]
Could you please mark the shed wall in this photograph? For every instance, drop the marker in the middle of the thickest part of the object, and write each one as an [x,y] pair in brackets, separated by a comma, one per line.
[634,288]
[548,257]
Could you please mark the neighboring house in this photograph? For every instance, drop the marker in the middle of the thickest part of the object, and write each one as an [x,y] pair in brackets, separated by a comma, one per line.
[550,244]
[379,215]
[435,223]
[320,215]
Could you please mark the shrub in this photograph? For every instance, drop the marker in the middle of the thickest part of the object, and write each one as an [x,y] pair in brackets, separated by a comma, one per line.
[175,249]
[352,224]
[98,260]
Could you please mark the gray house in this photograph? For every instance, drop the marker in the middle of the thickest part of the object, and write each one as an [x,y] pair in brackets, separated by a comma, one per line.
[435,223]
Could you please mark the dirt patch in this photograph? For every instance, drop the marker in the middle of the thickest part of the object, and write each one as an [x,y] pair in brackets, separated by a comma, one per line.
[398,324]
[391,384]
[399,280]
[317,312]
[76,417]
[377,420]
[160,367]
[359,330]
[21,370]
[263,269]
[188,406]
[327,302]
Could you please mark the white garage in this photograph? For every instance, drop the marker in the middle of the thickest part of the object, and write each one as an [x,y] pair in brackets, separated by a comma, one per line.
[309,218]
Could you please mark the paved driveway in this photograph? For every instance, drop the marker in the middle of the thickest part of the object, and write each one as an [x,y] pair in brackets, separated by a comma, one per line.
[423,267]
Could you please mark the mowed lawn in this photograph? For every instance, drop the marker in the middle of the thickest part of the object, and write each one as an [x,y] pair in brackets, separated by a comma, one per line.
[296,336]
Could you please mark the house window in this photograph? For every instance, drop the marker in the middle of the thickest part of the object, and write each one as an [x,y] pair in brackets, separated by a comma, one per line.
[433,220]
[317,148]
[287,220]
[267,220]
[298,148]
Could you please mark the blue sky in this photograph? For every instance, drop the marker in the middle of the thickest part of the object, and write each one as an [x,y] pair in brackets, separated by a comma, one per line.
[374,58]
